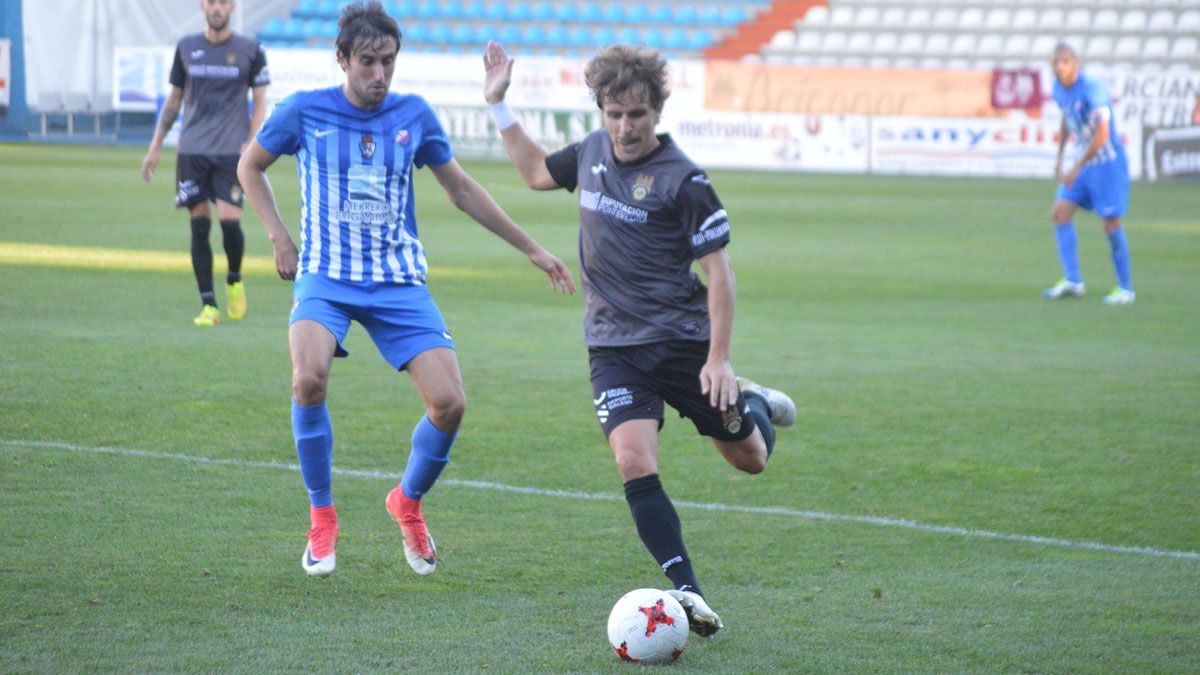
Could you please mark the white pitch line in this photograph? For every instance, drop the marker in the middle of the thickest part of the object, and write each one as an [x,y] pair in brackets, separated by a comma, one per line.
[567,494]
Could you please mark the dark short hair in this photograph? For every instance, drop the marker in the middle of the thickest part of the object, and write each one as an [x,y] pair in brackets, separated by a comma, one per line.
[1064,47]
[364,23]
[617,70]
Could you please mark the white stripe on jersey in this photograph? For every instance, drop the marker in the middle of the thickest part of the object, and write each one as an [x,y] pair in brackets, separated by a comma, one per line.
[713,220]
[333,204]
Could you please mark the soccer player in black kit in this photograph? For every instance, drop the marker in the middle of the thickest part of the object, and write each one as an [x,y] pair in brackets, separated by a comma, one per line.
[654,332]
[209,78]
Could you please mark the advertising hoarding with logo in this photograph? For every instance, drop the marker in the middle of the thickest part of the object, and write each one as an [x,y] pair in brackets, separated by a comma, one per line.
[5,71]
[953,146]
[1173,153]
[836,143]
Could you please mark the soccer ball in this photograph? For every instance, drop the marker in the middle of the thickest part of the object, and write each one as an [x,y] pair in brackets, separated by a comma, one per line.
[647,626]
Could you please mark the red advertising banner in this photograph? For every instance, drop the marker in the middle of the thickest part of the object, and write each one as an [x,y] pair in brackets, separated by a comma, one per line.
[1015,88]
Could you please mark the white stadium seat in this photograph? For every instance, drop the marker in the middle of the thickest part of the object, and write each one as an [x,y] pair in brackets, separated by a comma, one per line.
[867,17]
[841,16]
[971,19]
[937,44]
[964,45]
[1133,21]
[885,43]
[945,18]
[1188,22]
[1184,49]
[1078,19]
[1128,47]
[1156,48]
[919,18]
[1104,21]
[1161,21]
[834,41]
[1042,47]
[1017,46]
[990,46]
[818,15]
[1052,19]
[1099,48]
[784,39]
[911,44]
[893,17]
[1023,19]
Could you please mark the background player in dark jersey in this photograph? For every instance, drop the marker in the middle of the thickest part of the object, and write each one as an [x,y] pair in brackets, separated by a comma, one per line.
[654,332]
[210,76]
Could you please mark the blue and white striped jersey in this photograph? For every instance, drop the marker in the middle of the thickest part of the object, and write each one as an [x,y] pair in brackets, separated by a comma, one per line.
[357,218]
[1084,105]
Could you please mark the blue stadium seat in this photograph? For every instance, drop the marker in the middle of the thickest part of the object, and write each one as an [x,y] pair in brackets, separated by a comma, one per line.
[700,39]
[604,35]
[439,33]
[676,39]
[272,30]
[556,36]
[451,9]
[543,11]
[307,9]
[313,29]
[709,15]
[614,12]
[566,11]
[661,13]
[510,34]
[329,29]
[293,29]
[403,8]
[637,14]
[429,9]
[462,33]
[579,36]
[628,36]
[734,15]
[473,10]
[328,9]
[684,15]
[533,35]
[651,37]
[590,13]
[485,32]
[416,32]
[519,10]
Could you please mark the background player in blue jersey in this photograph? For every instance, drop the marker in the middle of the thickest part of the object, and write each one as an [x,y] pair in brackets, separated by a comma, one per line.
[209,78]
[1098,180]
[360,259]
[654,333]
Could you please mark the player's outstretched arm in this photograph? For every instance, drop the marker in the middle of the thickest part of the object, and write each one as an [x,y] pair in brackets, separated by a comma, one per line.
[525,153]
[252,174]
[470,198]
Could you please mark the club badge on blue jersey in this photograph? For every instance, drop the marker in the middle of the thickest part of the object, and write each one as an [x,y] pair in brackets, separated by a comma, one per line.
[367,146]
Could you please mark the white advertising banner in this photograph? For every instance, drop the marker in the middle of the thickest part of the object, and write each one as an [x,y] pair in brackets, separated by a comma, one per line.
[958,146]
[5,71]
[836,143]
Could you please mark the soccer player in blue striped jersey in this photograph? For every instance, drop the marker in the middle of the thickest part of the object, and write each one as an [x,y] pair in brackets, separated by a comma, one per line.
[1098,180]
[360,259]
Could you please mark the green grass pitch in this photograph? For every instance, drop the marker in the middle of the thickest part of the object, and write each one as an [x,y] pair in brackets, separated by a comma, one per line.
[980,480]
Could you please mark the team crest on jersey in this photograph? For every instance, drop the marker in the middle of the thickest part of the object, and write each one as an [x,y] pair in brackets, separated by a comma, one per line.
[235,193]
[731,419]
[402,137]
[231,57]
[642,186]
[367,146]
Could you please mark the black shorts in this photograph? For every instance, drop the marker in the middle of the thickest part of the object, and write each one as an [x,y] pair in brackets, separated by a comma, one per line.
[631,383]
[207,178]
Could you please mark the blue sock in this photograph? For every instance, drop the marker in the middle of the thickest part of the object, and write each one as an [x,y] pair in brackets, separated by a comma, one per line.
[1067,252]
[314,446]
[430,454]
[1120,258]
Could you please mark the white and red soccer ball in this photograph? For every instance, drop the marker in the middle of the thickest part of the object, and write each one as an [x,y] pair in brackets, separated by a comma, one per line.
[647,626]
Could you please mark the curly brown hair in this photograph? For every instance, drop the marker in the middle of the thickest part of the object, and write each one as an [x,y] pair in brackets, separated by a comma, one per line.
[621,69]
[365,22]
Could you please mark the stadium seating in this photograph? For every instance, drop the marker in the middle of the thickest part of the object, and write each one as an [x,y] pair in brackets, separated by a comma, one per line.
[981,34]
[572,27]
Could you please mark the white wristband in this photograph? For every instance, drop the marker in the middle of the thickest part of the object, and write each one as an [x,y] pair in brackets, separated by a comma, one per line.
[503,115]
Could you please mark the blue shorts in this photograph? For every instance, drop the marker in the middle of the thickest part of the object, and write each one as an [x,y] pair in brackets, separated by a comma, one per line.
[1102,188]
[401,319]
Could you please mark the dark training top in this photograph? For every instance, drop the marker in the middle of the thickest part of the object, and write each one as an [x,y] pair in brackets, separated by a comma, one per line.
[215,79]
[641,224]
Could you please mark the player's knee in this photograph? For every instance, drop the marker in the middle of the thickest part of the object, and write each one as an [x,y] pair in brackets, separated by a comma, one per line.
[308,386]
[446,412]
[752,464]
[1061,214]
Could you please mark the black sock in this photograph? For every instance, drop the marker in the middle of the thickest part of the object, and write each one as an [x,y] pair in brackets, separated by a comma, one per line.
[762,417]
[658,525]
[202,260]
[235,247]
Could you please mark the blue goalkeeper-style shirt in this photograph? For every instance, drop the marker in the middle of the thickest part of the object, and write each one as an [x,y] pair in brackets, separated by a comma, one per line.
[1084,105]
[357,217]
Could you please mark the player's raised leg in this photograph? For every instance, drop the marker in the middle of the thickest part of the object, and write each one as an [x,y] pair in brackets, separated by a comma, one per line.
[312,349]
[436,375]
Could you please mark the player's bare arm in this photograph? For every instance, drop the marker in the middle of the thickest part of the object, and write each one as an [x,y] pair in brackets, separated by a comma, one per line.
[257,114]
[469,197]
[166,119]
[716,377]
[525,153]
[252,174]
